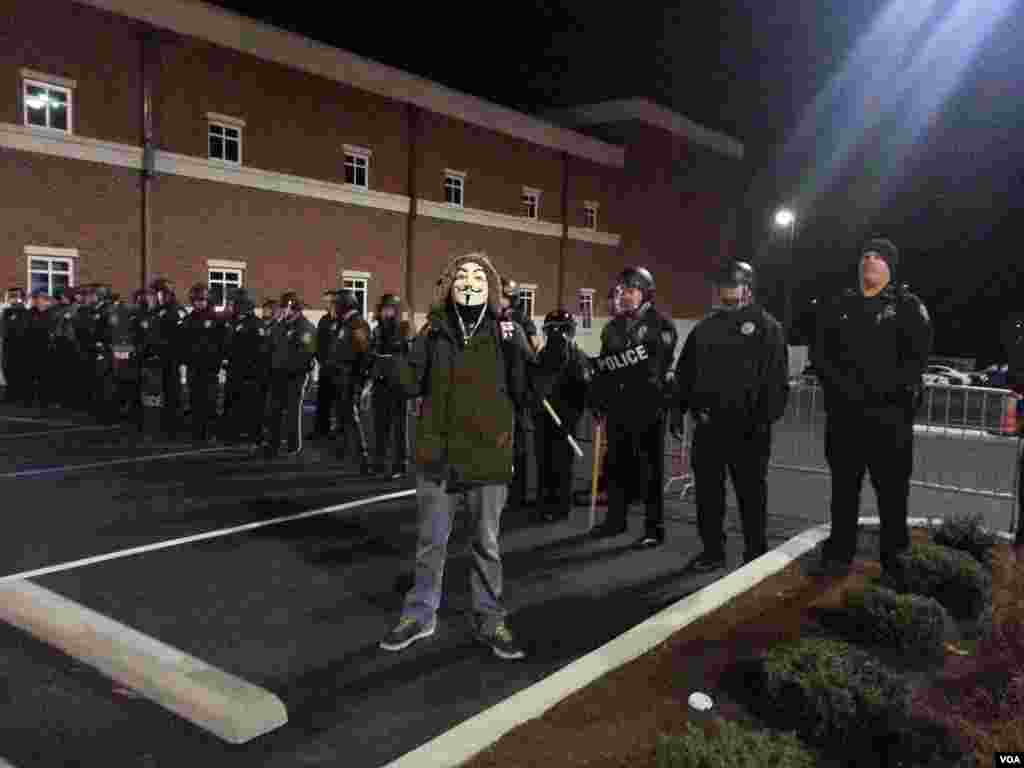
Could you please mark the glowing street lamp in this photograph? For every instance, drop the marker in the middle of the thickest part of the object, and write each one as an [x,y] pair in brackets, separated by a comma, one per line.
[786,219]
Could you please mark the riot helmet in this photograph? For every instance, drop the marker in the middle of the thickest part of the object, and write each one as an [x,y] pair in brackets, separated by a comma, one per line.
[734,281]
[635,279]
[561,322]
[290,302]
[243,301]
[163,289]
[345,301]
[198,293]
[389,301]
[103,292]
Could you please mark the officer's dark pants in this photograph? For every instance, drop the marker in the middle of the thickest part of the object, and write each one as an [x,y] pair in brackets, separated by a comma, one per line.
[59,385]
[743,451]
[105,404]
[246,409]
[37,382]
[389,421]
[171,413]
[202,394]
[151,386]
[15,373]
[326,397]
[554,464]
[881,441]
[285,412]
[634,451]
[348,390]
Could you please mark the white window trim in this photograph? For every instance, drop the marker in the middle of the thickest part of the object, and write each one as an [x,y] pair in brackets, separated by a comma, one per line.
[364,154]
[224,160]
[238,266]
[48,83]
[355,274]
[352,149]
[588,204]
[581,292]
[45,252]
[228,120]
[461,177]
[225,266]
[456,174]
[47,79]
[536,195]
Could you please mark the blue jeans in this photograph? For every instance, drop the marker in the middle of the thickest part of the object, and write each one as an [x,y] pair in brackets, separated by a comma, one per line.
[435,510]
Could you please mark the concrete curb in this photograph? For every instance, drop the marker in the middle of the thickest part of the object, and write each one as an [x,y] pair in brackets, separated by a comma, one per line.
[466,740]
[218,702]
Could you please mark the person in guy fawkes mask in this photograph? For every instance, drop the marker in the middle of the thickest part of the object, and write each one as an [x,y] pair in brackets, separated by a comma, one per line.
[247,374]
[471,380]
[630,395]
[390,340]
[733,376]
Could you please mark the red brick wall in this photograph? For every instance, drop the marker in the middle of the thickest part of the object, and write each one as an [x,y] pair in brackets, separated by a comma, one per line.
[99,51]
[590,265]
[287,242]
[600,183]
[50,201]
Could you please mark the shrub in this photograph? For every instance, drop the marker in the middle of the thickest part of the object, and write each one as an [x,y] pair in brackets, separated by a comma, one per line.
[965,533]
[926,743]
[954,578]
[829,690]
[734,746]
[909,622]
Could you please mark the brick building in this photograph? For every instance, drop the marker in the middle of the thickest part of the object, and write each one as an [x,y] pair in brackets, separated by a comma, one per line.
[177,139]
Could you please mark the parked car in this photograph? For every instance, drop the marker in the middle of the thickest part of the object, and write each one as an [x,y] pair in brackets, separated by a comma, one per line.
[943,374]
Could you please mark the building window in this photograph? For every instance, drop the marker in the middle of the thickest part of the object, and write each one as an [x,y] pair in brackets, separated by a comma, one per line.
[50,269]
[47,105]
[357,167]
[454,188]
[357,282]
[531,203]
[527,299]
[590,215]
[226,142]
[586,308]
[223,282]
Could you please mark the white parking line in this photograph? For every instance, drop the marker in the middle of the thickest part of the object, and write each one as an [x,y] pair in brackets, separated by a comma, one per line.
[113,462]
[43,433]
[117,554]
[25,419]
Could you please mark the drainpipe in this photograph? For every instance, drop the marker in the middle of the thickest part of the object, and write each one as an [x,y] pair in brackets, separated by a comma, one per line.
[564,242]
[410,232]
[148,154]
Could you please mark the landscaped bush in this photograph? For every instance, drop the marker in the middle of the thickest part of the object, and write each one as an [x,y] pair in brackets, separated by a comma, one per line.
[965,533]
[733,746]
[909,622]
[954,578]
[922,743]
[830,691]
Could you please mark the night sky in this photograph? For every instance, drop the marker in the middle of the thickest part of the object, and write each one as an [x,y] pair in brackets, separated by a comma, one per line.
[940,169]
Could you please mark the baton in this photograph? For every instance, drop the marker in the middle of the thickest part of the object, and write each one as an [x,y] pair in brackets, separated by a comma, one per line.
[596,471]
[558,421]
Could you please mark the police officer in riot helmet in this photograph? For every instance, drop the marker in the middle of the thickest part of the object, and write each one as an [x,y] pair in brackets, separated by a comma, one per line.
[630,395]
[326,397]
[202,352]
[733,377]
[37,344]
[871,353]
[165,351]
[562,380]
[349,359]
[293,344]
[14,322]
[390,340]
[65,351]
[247,375]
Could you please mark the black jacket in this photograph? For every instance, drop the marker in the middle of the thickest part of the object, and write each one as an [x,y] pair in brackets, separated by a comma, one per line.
[247,348]
[563,377]
[202,340]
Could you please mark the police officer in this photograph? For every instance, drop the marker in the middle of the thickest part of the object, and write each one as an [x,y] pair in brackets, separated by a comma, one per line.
[37,351]
[349,360]
[15,323]
[326,396]
[390,341]
[293,344]
[202,351]
[566,374]
[85,346]
[614,308]
[65,352]
[733,376]
[247,373]
[513,327]
[873,346]
[630,397]
[164,348]
[110,327]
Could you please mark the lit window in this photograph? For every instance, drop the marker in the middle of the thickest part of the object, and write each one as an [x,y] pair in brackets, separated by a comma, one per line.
[586,308]
[531,203]
[590,215]
[358,286]
[223,282]
[47,106]
[226,143]
[357,167]
[527,298]
[48,273]
[454,188]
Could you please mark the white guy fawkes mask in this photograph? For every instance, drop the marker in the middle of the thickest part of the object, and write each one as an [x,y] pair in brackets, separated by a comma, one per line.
[470,286]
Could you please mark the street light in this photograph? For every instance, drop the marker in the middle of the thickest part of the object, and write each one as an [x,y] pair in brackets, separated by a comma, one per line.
[786,219]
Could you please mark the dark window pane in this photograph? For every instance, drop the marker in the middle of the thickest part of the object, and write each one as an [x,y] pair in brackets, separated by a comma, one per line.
[231,150]
[216,130]
[40,282]
[216,147]
[231,133]
[350,174]
[361,177]
[60,266]
[61,281]
[218,276]
[59,117]
[216,294]
[40,265]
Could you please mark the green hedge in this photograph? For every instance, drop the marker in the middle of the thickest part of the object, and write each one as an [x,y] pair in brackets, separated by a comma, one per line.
[909,622]
[734,746]
[965,533]
[830,691]
[954,578]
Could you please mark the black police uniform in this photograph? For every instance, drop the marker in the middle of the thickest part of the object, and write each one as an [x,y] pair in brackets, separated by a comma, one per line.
[389,342]
[563,380]
[293,345]
[63,379]
[87,321]
[326,391]
[635,418]
[733,376]
[870,356]
[116,362]
[247,377]
[164,347]
[37,352]
[349,361]
[15,329]
[202,340]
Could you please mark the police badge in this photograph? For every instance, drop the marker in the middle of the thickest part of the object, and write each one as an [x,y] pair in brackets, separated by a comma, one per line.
[641,333]
[263,331]
[207,323]
[747,328]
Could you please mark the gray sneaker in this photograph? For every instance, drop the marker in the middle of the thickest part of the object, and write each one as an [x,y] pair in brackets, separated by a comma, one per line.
[501,642]
[406,633]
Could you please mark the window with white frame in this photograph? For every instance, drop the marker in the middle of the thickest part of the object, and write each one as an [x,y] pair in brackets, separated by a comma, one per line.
[590,215]
[531,203]
[527,299]
[358,283]
[454,187]
[357,166]
[225,138]
[224,279]
[47,104]
[50,268]
[586,308]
